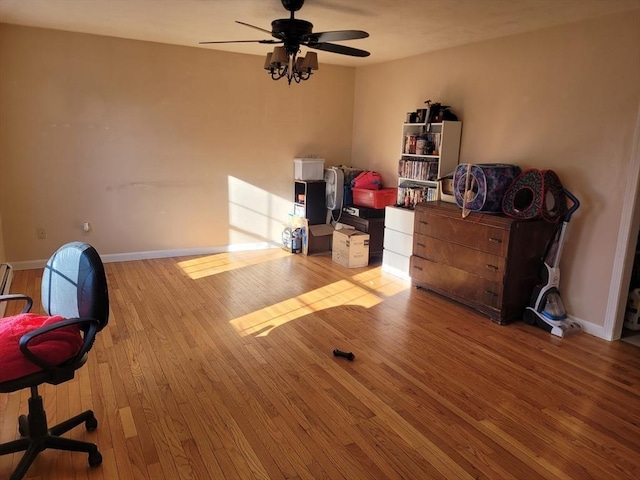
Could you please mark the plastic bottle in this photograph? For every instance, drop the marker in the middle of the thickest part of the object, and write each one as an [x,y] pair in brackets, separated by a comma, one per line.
[632,314]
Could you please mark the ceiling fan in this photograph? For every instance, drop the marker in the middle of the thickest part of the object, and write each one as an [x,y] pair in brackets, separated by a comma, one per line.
[292,33]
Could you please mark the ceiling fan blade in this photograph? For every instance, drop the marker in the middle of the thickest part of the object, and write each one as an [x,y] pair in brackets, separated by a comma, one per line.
[243,41]
[341,49]
[337,36]
[253,26]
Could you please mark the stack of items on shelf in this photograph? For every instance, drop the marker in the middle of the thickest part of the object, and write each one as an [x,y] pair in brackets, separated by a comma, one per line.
[312,227]
[422,143]
[305,230]
[418,169]
[411,193]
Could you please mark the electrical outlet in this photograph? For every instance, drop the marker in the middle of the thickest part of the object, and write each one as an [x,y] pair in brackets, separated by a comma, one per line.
[41,233]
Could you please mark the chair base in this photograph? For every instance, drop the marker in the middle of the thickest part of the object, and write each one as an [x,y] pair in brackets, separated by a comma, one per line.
[37,437]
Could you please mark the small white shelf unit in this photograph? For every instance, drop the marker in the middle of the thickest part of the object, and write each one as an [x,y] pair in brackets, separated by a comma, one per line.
[428,152]
[417,181]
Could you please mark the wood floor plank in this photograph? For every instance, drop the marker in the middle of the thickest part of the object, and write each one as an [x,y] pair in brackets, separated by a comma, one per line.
[221,367]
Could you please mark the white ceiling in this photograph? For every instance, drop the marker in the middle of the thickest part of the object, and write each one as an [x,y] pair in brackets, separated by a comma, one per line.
[397,28]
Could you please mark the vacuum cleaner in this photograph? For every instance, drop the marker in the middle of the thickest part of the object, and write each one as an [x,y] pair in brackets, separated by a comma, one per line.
[546,309]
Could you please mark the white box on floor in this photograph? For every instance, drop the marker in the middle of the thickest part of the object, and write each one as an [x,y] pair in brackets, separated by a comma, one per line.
[309,168]
[350,248]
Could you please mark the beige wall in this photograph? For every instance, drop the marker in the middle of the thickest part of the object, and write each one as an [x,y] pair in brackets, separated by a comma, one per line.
[565,99]
[159,147]
[143,140]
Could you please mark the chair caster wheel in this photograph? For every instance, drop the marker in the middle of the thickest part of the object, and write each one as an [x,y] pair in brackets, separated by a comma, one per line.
[91,424]
[23,425]
[95,459]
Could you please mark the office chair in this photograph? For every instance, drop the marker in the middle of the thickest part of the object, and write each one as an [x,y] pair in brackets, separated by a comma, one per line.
[76,300]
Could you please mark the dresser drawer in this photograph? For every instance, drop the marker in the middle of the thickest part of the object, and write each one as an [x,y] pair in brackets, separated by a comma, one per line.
[399,219]
[398,242]
[456,283]
[482,264]
[465,232]
[395,263]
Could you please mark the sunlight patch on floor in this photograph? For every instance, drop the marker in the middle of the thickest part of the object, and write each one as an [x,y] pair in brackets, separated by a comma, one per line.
[383,283]
[227,261]
[365,289]
[263,321]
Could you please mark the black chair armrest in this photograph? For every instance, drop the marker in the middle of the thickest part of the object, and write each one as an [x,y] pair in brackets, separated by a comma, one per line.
[93,327]
[18,296]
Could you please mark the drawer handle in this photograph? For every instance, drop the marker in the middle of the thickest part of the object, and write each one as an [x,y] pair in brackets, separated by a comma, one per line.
[492,267]
[421,244]
[494,240]
[423,222]
[491,293]
[417,267]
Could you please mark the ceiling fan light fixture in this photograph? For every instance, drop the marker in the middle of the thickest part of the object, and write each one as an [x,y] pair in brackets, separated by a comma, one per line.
[294,33]
[279,57]
[310,62]
[285,63]
[267,62]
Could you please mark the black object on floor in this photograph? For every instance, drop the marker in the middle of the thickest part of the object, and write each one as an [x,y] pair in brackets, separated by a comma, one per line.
[347,355]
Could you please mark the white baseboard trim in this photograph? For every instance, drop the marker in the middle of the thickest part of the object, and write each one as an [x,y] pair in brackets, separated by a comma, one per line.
[184,252]
[591,328]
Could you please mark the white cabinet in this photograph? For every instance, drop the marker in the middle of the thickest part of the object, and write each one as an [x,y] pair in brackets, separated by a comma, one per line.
[398,241]
[429,151]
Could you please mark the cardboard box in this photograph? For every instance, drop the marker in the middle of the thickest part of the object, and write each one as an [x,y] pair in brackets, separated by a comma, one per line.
[316,238]
[350,248]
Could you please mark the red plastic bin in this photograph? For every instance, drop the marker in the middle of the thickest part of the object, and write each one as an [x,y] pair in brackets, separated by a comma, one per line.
[374,198]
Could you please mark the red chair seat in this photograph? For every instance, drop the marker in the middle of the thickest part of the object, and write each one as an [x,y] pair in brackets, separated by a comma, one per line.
[53,347]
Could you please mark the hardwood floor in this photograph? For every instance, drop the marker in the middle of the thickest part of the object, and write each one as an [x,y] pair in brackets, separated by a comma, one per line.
[221,367]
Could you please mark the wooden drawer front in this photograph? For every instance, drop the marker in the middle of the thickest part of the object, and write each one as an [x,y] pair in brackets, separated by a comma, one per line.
[463,232]
[398,242]
[468,288]
[486,265]
[400,219]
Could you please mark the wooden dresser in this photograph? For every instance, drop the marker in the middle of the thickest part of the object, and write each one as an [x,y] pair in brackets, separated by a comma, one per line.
[486,261]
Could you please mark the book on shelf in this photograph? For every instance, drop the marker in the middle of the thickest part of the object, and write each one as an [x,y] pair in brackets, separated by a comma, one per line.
[423,170]
[430,144]
[433,142]
[432,171]
[410,194]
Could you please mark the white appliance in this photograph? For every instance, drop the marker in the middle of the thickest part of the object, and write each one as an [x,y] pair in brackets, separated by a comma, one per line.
[334,179]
